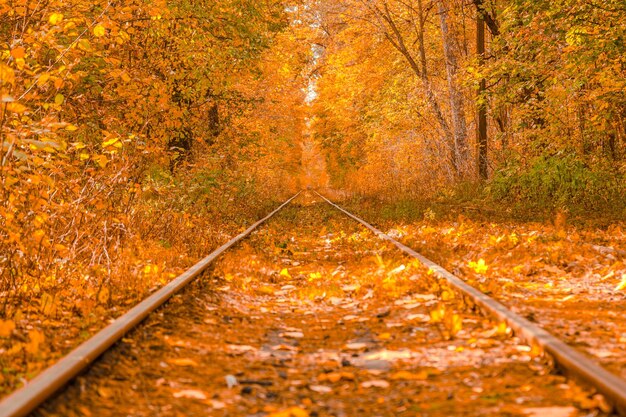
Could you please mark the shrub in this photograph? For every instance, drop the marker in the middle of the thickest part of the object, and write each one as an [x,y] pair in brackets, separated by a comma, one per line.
[561,181]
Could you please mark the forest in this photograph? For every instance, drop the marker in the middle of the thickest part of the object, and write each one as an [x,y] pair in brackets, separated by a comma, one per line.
[138,136]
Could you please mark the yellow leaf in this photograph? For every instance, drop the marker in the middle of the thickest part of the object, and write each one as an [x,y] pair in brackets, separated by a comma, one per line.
[314,275]
[59,99]
[99,31]
[151,269]
[43,79]
[622,284]
[438,314]
[16,108]
[479,267]
[290,412]
[454,323]
[285,273]
[71,128]
[7,75]
[502,328]
[6,328]
[84,45]
[109,142]
[47,304]
[447,295]
[55,18]
[122,37]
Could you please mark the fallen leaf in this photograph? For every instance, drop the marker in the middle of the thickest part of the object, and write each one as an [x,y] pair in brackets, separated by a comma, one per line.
[55,18]
[292,335]
[421,375]
[335,300]
[217,405]
[454,323]
[321,389]
[240,349]
[190,393]
[385,354]
[397,270]
[437,314]
[350,288]
[550,411]
[335,376]
[36,339]
[231,381]
[408,376]
[285,347]
[18,52]
[183,362]
[266,290]
[375,383]
[423,318]
[290,412]
[479,267]
[99,31]
[374,365]
[104,392]
[356,346]
[6,328]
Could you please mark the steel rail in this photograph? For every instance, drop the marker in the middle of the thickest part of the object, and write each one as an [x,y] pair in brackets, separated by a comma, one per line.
[569,360]
[35,392]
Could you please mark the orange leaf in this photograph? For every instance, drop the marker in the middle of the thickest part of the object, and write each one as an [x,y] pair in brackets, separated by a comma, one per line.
[183,362]
[290,412]
[18,52]
[6,328]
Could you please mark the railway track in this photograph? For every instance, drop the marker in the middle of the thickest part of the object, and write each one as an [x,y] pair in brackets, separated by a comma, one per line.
[346,328]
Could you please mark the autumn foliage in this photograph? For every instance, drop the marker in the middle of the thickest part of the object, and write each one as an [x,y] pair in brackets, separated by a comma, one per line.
[135,136]
[398,97]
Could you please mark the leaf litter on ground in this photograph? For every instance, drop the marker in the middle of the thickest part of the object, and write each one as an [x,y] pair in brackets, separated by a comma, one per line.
[296,354]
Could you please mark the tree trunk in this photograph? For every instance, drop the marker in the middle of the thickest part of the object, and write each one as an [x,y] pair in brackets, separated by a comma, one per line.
[461,149]
[430,95]
[481,131]
[395,37]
